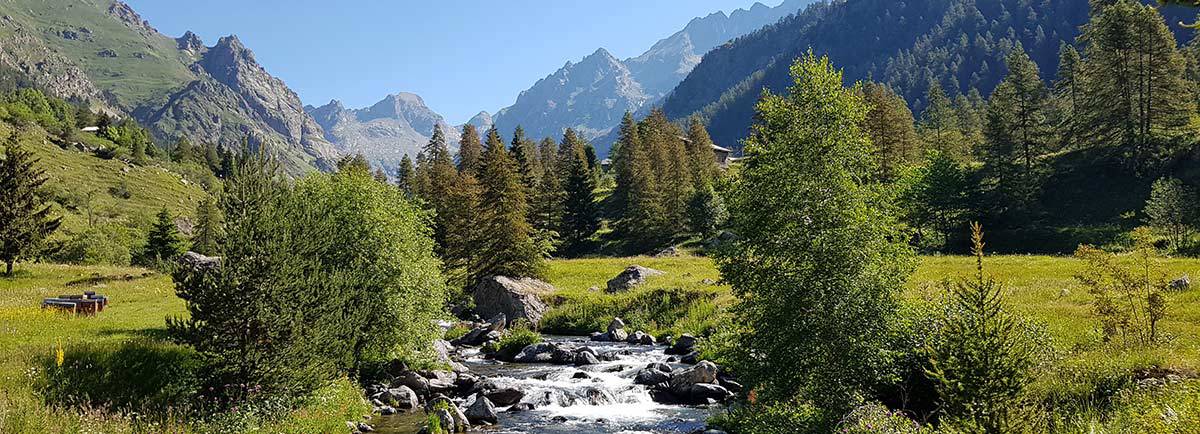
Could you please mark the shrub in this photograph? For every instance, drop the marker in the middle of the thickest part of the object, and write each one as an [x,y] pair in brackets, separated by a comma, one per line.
[1130,297]
[516,339]
[787,417]
[873,418]
[1172,211]
[107,244]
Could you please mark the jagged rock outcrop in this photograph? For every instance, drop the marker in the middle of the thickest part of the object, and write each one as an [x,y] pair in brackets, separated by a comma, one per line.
[191,44]
[233,98]
[46,69]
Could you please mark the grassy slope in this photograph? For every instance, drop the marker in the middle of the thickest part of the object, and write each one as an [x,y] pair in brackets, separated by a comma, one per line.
[141,300]
[135,81]
[75,173]
[1087,381]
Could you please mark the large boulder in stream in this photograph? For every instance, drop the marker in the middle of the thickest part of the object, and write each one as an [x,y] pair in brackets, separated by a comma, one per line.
[517,299]
[481,411]
[633,275]
[505,397]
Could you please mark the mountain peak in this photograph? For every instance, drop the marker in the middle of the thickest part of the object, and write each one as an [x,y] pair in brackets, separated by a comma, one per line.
[191,43]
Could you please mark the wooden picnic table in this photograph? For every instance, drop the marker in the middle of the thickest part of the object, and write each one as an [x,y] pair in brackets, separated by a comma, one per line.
[88,303]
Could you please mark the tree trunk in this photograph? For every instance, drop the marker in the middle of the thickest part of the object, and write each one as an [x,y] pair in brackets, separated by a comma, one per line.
[8,268]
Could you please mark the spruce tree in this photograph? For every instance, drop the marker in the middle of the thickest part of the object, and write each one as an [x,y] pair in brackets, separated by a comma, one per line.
[207,234]
[470,148]
[163,243]
[939,126]
[580,217]
[529,162]
[440,176]
[464,232]
[184,151]
[24,218]
[510,249]
[546,200]
[405,174]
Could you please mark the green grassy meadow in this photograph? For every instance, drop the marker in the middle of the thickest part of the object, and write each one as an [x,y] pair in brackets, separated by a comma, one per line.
[1091,386]
[132,325]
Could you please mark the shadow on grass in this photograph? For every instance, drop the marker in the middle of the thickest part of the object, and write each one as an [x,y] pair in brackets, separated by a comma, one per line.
[142,375]
[97,278]
[156,334]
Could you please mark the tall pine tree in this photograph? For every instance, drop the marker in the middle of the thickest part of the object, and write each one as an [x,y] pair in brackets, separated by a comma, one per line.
[580,216]
[510,249]
[207,234]
[24,218]
[470,149]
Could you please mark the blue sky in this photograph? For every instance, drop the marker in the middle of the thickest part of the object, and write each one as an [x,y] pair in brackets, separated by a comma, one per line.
[461,56]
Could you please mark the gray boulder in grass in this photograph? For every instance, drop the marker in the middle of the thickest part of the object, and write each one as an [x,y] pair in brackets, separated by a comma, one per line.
[633,275]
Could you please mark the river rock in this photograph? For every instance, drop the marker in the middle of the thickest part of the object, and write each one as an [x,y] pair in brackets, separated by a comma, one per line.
[446,419]
[660,366]
[542,352]
[521,406]
[701,393]
[517,299]
[584,358]
[401,397]
[618,335]
[651,376]
[615,324]
[703,373]
[414,381]
[636,337]
[505,397]
[481,411]
[690,358]
[633,276]
[685,344]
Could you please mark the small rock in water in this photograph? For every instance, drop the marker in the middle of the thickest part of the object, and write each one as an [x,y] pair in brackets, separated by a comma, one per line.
[503,397]
[521,406]
[559,419]
[363,427]
[581,375]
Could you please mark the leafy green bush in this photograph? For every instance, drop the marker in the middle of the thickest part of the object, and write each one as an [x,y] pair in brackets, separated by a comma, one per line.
[1130,296]
[873,418]
[514,340]
[106,244]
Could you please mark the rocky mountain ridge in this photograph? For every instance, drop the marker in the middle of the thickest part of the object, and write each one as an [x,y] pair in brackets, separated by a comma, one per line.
[592,95]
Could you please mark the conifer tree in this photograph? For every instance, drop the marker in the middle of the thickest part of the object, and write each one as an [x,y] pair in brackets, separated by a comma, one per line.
[24,218]
[184,151]
[669,165]
[1134,94]
[529,163]
[628,140]
[1017,127]
[405,174]
[939,127]
[546,200]
[642,221]
[510,249]
[889,124]
[470,148]
[701,161]
[580,217]
[464,232]
[207,234]
[163,243]
[440,177]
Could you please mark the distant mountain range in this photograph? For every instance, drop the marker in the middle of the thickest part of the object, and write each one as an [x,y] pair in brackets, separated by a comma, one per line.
[592,95]
[399,124]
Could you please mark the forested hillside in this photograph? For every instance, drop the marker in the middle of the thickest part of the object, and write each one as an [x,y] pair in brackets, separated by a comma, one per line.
[959,44]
